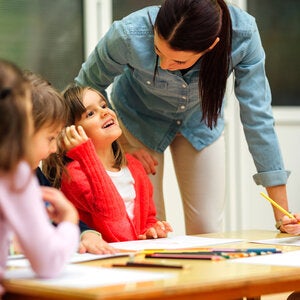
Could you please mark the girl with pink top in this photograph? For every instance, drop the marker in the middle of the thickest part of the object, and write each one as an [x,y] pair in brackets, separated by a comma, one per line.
[111,191]
[22,210]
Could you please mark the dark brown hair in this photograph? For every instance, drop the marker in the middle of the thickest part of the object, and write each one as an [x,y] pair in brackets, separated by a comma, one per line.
[193,25]
[48,107]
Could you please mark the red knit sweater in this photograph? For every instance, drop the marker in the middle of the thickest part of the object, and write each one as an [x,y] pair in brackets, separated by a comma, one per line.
[97,200]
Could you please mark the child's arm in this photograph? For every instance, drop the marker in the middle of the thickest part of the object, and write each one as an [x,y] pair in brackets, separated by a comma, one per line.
[113,224]
[92,191]
[47,248]
[60,209]
[91,241]
[94,184]
[150,227]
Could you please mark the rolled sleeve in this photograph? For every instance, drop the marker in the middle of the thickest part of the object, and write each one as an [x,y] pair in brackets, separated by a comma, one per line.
[272,178]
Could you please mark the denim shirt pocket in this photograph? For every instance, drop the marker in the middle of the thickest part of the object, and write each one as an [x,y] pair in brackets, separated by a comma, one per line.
[148,82]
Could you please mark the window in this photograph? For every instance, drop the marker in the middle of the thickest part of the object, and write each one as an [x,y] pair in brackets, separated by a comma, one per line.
[44,36]
[279,25]
[122,8]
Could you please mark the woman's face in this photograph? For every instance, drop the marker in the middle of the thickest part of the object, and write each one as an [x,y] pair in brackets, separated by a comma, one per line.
[173,60]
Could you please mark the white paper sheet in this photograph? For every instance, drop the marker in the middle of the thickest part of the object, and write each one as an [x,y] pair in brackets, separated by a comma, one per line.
[291,259]
[289,241]
[16,256]
[177,242]
[77,276]
[76,258]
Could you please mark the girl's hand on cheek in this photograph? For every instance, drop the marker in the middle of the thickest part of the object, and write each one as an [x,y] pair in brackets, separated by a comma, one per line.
[73,137]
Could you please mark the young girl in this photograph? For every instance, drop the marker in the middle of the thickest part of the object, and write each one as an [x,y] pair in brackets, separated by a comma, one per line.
[22,210]
[49,117]
[111,192]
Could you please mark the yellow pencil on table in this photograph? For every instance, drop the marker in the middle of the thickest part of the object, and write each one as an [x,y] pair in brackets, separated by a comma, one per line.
[277,206]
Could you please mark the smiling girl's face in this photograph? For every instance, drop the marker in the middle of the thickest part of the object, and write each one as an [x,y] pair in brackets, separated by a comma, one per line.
[99,122]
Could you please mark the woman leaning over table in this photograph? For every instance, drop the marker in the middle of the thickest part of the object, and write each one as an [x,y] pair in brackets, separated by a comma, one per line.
[169,66]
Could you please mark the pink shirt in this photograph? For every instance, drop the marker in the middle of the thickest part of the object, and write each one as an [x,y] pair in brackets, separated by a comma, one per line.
[23,213]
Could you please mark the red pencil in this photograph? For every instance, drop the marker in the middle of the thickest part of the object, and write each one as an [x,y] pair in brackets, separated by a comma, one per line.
[185,256]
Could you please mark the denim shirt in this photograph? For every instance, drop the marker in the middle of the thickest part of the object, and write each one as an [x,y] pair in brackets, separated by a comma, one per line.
[154,111]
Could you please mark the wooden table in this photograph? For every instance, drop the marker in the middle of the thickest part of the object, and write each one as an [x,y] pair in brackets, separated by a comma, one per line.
[200,280]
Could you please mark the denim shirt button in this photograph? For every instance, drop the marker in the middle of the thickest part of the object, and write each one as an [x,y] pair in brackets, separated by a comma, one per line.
[148,82]
[178,122]
[184,86]
[183,97]
[182,107]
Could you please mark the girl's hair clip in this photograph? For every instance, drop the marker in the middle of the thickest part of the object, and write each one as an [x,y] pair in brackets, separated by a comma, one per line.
[4,93]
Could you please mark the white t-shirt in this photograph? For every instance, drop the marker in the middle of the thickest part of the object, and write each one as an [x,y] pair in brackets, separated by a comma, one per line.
[124,183]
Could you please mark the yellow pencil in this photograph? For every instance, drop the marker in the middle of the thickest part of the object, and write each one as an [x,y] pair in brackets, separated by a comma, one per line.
[277,206]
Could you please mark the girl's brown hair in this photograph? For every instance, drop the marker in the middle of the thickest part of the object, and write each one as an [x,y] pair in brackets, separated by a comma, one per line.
[55,164]
[15,121]
[48,107]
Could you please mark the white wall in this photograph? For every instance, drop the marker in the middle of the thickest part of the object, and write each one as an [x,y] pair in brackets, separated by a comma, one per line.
[97,19]
[255,212]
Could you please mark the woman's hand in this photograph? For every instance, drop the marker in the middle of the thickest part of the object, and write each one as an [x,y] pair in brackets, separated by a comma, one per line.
[148,161]
[159,230]
[289,225]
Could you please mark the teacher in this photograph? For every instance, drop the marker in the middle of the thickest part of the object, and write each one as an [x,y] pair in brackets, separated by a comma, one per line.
[169,67]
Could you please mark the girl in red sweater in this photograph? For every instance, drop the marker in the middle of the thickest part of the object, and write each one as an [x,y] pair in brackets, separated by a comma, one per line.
[111,191]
